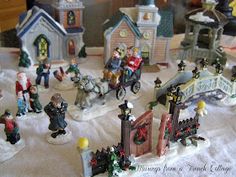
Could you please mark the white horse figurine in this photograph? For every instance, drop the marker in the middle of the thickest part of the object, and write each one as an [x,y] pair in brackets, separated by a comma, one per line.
[89,89]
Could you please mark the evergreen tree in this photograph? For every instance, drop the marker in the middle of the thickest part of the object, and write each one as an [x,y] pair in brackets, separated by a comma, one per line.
[24,60]
[113,167]
[82,52]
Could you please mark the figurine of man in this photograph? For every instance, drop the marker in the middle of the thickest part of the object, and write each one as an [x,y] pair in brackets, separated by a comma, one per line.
[133,62]
[11,127]
[86,156]
[22,85]
[43,70]
[56,110]
[113,67]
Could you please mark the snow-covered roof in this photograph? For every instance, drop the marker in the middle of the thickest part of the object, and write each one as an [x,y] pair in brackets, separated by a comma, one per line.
[29,19]
[207,16]
[201,17]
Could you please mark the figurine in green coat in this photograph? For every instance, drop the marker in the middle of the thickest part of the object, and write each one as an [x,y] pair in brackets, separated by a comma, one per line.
[73,68]
[34,100]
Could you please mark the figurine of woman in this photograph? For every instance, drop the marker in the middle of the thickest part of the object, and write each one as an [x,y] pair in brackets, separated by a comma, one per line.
[34,99]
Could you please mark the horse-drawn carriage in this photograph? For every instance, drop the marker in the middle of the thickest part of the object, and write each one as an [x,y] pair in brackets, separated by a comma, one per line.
[91,88]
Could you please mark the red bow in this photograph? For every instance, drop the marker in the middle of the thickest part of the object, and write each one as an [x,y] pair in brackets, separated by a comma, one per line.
[93,162]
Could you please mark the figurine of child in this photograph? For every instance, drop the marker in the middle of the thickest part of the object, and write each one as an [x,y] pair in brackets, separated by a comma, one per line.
[73,68]
[21,104]
[11,127]
[34,99]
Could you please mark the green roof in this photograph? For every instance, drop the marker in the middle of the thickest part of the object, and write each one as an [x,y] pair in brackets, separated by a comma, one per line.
[165,28]
[115,20]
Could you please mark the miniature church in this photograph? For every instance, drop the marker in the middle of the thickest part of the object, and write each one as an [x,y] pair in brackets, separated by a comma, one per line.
[143,26]
[55,38]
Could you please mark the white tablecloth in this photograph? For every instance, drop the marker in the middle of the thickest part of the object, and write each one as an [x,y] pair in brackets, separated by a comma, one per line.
[40,159]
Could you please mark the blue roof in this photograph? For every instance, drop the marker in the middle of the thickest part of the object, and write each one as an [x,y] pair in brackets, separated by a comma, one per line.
[115,20]
[74,30]
[165,28]
[36,15]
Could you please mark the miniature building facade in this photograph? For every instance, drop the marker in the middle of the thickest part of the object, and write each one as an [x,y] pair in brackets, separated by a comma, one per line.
[204,28]
[143,27]
[43,36]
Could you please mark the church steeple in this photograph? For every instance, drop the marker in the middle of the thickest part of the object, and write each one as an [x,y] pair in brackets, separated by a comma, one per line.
[147,2]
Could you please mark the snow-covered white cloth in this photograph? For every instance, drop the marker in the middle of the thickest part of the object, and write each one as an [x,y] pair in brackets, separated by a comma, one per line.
[39,158]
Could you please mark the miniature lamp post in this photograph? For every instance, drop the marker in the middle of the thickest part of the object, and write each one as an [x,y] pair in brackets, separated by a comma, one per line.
[181,66]
[178,96]
[204,64]
[157,83]
[219,68]
[86,156]
[196,73]
[233,78]
[126,119]
[170,93]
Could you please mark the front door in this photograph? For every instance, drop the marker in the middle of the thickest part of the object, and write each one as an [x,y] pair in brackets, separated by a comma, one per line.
[145,54]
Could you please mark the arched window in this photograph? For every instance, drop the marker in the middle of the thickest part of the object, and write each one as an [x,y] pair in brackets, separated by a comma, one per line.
[145,53]
[42,45]
[71,47]
[71,18]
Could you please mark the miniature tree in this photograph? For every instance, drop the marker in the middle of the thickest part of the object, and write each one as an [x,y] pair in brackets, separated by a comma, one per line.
[24,60]
[113,167]
[82,52]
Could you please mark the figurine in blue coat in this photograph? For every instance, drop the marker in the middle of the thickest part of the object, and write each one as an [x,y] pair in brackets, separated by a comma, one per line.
[56,110]
[43,70]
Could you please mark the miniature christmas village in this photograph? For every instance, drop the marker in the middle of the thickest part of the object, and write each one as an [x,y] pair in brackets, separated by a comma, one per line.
[49,105]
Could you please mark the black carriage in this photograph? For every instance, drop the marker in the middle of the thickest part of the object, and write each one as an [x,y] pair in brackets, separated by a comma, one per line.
[125,81]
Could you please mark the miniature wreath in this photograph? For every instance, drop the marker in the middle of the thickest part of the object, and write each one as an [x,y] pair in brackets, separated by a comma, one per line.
[140,136]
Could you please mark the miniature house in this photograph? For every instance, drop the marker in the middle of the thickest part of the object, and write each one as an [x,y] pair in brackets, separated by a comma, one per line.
[204,28]
[55,38]
[143,27]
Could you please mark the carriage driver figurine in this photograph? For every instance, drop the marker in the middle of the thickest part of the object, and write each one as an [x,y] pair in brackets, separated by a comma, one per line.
[112,69]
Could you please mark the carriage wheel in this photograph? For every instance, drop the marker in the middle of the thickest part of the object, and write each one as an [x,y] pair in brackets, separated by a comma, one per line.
[120,93]
[136,87]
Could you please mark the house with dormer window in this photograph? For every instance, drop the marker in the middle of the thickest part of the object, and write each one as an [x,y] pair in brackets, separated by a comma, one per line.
[143,26]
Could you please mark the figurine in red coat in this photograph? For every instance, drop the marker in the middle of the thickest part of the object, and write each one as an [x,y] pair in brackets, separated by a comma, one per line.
[133,62]
[23,84]
[11,127]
